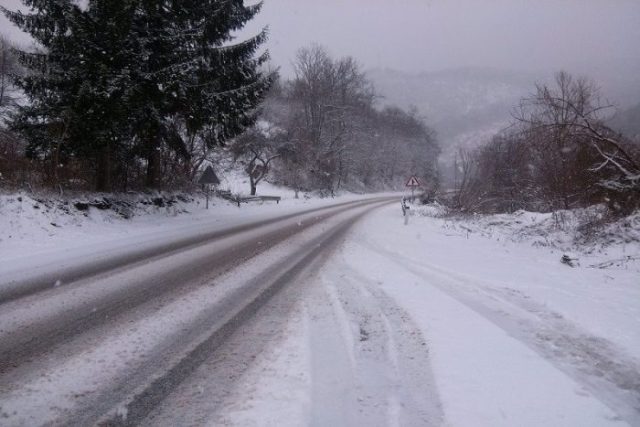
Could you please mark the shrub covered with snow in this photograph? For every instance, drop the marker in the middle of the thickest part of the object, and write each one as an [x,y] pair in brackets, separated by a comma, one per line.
[434,210]
[580,232]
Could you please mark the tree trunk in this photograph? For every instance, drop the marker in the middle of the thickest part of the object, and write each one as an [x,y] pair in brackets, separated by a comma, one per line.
[55,164]
[153,167]
[252,183]
[103,170]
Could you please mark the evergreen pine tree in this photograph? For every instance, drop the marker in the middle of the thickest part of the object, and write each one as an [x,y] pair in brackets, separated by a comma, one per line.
[45,119]
[77,84]
[190,71]
[100,125]
[112,79]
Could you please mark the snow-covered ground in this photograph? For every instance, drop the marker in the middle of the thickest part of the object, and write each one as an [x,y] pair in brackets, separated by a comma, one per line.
[40,225]
[437,323]
[459,322]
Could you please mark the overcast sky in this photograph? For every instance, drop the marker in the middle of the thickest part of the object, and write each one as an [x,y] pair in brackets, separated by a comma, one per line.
[427,35]
[423,35]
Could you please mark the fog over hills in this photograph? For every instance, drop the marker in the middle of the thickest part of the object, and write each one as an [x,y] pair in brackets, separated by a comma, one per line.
[456,103]
[466,106]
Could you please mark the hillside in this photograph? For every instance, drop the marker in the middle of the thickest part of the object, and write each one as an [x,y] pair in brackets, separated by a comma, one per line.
[627,122]
[463,105]
[466,106]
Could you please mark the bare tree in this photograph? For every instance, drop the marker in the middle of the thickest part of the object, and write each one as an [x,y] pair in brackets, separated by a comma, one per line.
[468,191]
[330,95]
[334,136]
[258,147]
[565,124]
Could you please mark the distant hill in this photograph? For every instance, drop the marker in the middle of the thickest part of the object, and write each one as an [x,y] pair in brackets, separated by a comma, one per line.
[627,122]
[465,106]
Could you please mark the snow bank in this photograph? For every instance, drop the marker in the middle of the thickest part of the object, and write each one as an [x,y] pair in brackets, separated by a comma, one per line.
[31,225]
[580,232]
[516,337]
[434,210]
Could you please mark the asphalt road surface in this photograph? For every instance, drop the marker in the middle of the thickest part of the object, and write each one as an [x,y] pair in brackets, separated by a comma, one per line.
[107,341]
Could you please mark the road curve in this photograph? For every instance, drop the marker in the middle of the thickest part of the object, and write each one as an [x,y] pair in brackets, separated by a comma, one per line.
[18,284]
[95,342]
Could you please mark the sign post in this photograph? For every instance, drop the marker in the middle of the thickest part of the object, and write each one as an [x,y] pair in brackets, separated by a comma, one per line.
[413,182]
[405,210]
[208,177]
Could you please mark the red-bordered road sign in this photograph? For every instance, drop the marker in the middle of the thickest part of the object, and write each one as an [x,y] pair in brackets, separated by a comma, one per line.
[413,182]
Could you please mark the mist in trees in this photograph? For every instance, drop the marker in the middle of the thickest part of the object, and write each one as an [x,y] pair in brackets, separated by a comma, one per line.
[326,133]
[143,95]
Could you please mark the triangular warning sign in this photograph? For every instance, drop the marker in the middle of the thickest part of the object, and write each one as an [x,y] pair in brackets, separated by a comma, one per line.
[413,182]
[209,177]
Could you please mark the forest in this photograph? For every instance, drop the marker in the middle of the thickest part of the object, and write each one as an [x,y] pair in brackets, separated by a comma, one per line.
[146,97]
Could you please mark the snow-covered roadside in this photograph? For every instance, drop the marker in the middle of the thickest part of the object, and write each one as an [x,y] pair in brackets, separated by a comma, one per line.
[581,233]
[515,266]
[33,225]
[513,336]
[458,286]
[105,364]
[31,230]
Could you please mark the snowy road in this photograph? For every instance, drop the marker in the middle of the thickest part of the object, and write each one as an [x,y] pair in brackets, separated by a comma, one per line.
[20,279]
[90,343]
[341,316]
[424,325]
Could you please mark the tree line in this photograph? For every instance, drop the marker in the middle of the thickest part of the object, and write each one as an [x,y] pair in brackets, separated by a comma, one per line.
[558,154]
[323,130]
[140,95]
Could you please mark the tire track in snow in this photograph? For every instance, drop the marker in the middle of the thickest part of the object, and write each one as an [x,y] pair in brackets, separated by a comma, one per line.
[83,400]
[371,362]
[36,325]
[19,284]
[276,277]
[597,364]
